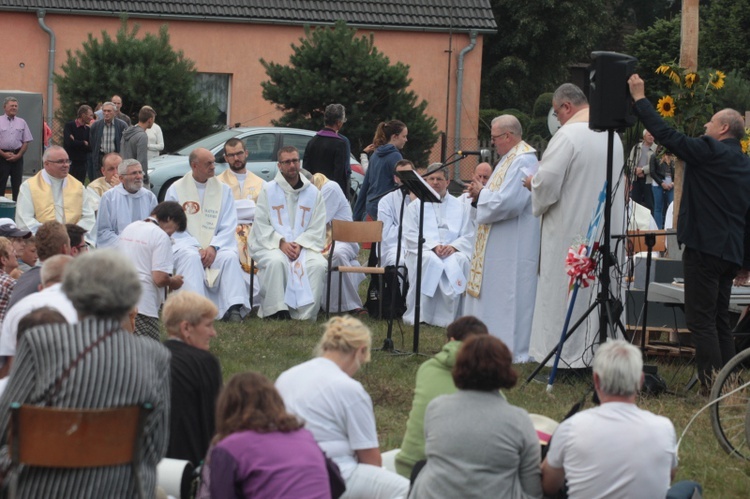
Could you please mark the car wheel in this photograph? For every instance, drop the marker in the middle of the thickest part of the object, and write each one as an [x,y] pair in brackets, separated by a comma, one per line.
[165,188]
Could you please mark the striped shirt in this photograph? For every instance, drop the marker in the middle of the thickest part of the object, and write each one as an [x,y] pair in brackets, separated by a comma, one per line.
[108,138]
[120,371]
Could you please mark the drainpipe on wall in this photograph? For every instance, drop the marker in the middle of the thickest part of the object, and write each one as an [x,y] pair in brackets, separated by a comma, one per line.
[459,92]
[51,65]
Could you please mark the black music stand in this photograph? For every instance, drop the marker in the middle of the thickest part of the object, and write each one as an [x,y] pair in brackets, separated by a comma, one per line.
[426,194]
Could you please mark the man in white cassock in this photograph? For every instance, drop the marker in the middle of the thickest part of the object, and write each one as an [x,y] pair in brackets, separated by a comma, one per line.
[286,242]
[482,174]
[206,253]
[564,193]
[345,254]
[53,194]
[389,212]
[448,234]
[503,279]
[246,187]
[123,204]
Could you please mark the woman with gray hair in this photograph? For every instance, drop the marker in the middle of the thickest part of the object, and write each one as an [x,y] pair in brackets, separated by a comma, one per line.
[91,365]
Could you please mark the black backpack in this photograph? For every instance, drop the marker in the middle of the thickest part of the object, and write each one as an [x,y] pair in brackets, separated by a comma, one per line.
[394,306]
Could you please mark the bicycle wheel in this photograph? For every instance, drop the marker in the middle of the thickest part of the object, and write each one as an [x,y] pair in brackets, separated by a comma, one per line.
[730,416]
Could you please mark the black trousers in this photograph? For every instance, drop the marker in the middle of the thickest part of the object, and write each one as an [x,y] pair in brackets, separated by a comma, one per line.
[708,286]
[15,172]
[78,170]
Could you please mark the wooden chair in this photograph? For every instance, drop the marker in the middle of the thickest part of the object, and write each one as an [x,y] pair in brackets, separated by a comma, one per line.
[353,232]
[52,437]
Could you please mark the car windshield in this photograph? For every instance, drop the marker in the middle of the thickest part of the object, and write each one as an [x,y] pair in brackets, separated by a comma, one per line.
[208,142]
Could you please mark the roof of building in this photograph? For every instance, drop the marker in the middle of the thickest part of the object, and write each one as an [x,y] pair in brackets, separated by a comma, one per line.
[432,15]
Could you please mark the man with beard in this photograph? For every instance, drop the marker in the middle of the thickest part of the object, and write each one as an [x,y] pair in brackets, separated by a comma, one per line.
[246,187]
[123,204]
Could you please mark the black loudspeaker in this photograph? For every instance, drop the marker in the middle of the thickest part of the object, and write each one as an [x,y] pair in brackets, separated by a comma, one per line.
[610,104]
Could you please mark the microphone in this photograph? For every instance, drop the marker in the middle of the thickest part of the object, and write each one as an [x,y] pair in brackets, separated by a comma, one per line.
[467,153]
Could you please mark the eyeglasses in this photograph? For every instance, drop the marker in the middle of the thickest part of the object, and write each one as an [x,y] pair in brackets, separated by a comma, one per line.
[234,154]
[498,136]
[60,162]
[288,162]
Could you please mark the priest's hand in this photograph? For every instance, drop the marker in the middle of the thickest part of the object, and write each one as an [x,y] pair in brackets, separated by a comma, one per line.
[527,182]
[637,87]
[291,250]
[475,187]
[444,251]
[208,256]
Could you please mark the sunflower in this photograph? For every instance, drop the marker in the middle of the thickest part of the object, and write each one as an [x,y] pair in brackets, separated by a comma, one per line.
[690,80]
[665,106]
[717,79]
[745,143]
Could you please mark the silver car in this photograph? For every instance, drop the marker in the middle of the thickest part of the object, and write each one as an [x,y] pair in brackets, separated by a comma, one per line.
[262,144]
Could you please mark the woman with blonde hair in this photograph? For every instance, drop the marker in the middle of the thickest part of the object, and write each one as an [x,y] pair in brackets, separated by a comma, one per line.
[195,373]
[338,411]
[260,450]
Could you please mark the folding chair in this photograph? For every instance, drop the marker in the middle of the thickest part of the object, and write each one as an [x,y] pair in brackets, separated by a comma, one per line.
[353,232]
[52,437]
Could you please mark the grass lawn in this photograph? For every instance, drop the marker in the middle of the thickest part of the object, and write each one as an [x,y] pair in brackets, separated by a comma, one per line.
[271,347]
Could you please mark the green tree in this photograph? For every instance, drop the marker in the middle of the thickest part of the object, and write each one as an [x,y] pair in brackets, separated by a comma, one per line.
[143,71]
[654,46]
[724,43]
[535,43]
[334,65]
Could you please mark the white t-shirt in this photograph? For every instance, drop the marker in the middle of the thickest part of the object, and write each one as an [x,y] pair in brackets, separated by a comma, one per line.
[52,297]
[335,408]
[150,249]
[615,451]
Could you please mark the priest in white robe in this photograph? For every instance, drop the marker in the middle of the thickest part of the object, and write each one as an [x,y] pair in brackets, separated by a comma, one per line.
[482,174]
[503,278]
[564,193]
[53,194]
[124,204]
[246,187]
[345,254]
[389,212]
[448,234]
[206,253]
[286,242]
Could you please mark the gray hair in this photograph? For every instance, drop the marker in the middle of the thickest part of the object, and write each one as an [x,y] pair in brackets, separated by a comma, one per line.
[50,150]
[436,168]
[619,366]
[102,283]
[9,98]
[122,168]
[334,113]
[567,92]
[108,103]
[53,269]
[510,123]
[734,120]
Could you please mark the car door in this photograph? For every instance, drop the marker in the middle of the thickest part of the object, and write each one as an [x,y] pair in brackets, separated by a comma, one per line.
[261,154]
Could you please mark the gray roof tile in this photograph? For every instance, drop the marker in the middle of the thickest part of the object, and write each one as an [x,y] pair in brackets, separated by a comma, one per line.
[418,14]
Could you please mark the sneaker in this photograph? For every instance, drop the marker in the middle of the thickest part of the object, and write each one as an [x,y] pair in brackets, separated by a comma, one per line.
[232,315]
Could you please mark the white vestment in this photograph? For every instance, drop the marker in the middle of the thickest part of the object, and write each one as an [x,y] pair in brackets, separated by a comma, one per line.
[338,208]
[565,192]
[443,279]
[244,203]
[228,288]
[508,287]
[389,212]
[118,209]
[273,264]
[26,217]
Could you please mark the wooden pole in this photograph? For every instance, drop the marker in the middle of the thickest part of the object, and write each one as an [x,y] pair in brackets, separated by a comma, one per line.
[689,60]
